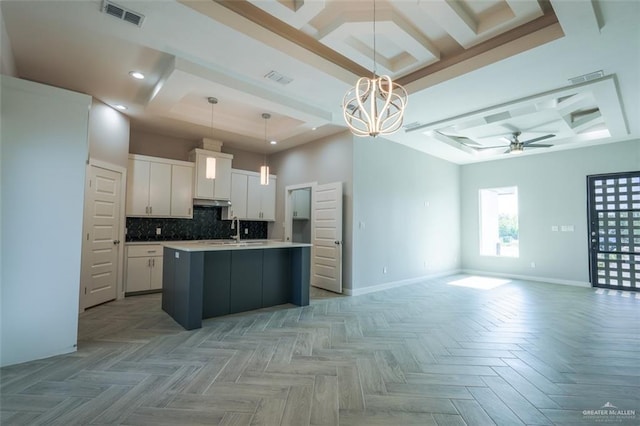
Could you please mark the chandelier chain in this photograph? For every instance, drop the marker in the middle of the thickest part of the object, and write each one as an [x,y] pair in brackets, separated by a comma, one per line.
[374,39]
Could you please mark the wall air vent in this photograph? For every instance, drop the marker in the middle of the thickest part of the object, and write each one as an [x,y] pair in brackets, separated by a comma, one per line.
[587,77]
[122,13]
[278,78]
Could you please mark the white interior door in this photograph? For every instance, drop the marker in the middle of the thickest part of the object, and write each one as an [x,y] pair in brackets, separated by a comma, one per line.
[327,237]
[102,227]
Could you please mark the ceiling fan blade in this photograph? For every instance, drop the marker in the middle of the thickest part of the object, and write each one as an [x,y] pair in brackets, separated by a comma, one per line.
[490,147]
[541,138]
[539,146]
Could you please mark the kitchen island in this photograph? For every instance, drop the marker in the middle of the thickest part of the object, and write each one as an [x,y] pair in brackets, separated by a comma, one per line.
[211,278]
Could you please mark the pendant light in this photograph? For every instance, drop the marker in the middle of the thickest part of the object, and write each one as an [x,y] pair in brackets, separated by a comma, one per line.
[374,106]
[264,169]
[210,171]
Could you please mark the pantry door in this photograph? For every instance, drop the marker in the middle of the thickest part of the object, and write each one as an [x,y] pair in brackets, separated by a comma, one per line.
[614,230]
[327,237]
[101,245]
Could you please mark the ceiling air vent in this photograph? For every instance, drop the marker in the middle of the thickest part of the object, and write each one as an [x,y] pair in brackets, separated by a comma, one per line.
[587,77]
[411,126]
[122,13]
[278,78]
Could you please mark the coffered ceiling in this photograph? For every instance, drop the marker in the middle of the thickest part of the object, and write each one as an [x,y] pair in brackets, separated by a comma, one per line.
[295,59]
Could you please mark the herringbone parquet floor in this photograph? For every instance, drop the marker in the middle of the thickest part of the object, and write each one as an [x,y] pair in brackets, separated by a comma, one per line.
[426,354]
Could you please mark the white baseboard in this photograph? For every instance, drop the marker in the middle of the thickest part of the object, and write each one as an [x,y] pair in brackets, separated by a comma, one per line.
[394,284]
[528,278]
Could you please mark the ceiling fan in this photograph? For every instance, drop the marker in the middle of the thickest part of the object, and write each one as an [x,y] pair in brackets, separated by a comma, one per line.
[514,147]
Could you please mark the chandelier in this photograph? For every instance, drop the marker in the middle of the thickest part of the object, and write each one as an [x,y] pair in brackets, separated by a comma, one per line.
[374,106]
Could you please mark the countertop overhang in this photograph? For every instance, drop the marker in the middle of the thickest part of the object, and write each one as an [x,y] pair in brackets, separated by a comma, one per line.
[214,245]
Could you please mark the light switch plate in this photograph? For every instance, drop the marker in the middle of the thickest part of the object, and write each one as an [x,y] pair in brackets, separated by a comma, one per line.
[158,231]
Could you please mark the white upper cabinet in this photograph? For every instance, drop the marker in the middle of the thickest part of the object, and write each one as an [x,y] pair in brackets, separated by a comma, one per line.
[249,199]
[181,191]
[238,195]
[301,204]
[212,189]
[158,187]
[261,199]
[148,188]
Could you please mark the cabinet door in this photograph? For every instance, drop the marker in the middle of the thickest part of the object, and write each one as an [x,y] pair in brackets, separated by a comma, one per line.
[137,188]
[203,186]
[301,204]
[254,197]
[222,182]
[238,196]
[268,200]
[181,191]
[155,282]
[246,280]
[159,189]
[138,274]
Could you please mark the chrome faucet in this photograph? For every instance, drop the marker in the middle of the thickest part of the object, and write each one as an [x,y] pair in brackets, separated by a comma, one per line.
[235,224]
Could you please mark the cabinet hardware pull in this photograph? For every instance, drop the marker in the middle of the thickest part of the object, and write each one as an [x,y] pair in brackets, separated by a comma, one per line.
[149,263]
[151,251]
[153,263]
[116,242]
[150,209]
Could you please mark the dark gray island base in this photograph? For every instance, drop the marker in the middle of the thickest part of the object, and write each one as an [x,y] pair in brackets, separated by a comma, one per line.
[203,281]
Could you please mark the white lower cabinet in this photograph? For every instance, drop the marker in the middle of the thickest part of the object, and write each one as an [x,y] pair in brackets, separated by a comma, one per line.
[143,268]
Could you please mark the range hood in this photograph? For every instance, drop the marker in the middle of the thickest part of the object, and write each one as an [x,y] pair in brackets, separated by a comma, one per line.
[211,203]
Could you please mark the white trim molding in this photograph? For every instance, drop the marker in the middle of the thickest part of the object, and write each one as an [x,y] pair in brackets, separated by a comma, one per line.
[400,283]
[529,278]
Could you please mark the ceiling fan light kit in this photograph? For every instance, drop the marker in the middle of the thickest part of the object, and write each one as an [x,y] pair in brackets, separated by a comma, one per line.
[374,106]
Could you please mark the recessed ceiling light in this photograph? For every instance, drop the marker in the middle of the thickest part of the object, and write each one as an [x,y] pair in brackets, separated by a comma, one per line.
[137,75]
[314,128]
[120,107]
[273,142]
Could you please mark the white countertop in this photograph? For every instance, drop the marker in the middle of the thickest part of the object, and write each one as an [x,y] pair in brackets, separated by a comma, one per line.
[218,245]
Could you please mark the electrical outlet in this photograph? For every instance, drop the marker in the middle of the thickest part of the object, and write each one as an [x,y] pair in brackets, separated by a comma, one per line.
[246,231]
[384,270]
[533,264]
[554,228]
[158,231]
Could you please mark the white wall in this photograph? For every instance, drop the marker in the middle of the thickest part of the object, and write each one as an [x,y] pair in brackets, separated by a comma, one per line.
[44,151]
[108,134]
[552,190]
[324,161]
[164,146]
[393,228]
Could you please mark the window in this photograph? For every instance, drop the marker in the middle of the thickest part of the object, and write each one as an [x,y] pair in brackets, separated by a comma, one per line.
[499,222]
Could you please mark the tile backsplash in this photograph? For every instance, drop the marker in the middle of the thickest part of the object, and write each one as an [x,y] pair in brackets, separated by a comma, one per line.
[205,225]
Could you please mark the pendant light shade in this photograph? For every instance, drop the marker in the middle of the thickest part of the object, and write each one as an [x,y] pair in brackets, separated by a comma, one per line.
[374,106]
[264,175]
[210,171]
[264,169]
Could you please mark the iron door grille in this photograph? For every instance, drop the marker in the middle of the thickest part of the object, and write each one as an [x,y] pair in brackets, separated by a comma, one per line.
[614,230]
